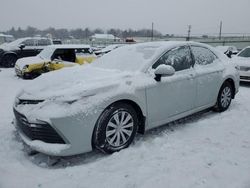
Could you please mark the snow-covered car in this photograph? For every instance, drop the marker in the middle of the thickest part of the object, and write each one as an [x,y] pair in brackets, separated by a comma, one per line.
[127,91]
[242,59]
[23,47]
[108,49]
[54,57]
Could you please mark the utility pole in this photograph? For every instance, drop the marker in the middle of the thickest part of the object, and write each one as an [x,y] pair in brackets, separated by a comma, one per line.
[189,31]
[220,30]
[152,32]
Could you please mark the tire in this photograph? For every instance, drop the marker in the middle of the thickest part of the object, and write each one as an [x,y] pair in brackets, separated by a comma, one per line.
[9,60]
[30,76]
[116,128]
[224,97]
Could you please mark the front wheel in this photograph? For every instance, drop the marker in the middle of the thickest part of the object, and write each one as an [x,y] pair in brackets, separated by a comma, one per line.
[224,98]
[116,128]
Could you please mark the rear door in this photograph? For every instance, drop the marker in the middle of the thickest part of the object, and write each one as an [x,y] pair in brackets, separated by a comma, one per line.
[42,43]
[208,70]
[29,48]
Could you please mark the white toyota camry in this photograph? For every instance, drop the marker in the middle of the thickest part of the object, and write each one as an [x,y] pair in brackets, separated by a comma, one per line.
[242,59]
[127,91]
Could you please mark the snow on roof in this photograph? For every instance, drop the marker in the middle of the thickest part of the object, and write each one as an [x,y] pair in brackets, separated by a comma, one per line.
[20,40]
[135,57]
[70,46]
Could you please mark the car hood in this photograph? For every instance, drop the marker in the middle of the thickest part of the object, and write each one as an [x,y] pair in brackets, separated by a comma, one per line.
[8,47]
[72,83]
[241,61]
[29,61]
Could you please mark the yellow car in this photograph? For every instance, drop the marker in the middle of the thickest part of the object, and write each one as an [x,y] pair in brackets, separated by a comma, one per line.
[54,57]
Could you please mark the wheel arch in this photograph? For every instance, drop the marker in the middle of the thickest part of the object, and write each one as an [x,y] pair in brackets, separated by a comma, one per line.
[137,108]
[139,112]
[10,53]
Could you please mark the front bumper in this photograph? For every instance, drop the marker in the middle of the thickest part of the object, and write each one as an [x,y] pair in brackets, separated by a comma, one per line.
[65,136]
[244,76]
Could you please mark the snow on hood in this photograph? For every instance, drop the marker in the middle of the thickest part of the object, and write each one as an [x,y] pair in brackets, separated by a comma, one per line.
[72,83]
[6,47]
[29,60]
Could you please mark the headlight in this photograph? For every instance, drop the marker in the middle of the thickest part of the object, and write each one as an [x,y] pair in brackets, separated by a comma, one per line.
[25,68]
[73,100]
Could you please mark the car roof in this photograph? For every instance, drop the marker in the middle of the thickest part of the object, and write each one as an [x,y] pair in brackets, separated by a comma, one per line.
[163,45]
[69,46]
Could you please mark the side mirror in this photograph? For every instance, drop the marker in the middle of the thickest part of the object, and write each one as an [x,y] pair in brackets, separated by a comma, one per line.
[21,46]
[163,70]
[229,53]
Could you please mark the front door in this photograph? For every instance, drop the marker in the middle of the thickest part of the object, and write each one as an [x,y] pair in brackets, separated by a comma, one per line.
[29,48]
[175,94]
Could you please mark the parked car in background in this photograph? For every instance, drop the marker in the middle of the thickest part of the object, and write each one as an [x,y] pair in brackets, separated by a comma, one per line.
[23,47]
[228,50]
[6,38]
[107,49]
[242,59]
[54,57]
[57,41]
[131,89]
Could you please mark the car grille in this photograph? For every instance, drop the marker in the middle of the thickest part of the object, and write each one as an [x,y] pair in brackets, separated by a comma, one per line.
[37,131]
[245,77]
[24,101]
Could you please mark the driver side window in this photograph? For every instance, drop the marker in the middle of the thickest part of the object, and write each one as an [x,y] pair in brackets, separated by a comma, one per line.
[29,42]
[179,58]
[65,55]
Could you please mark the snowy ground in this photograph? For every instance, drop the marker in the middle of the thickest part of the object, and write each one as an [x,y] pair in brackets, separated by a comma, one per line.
[208,150]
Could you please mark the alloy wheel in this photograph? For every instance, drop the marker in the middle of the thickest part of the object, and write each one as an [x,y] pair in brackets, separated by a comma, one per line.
[226,97]
[119,128]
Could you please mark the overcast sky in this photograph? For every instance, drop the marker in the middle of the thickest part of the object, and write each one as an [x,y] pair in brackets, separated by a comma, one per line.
[169,16]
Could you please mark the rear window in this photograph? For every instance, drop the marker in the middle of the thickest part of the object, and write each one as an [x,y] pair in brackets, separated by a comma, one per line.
[44,42]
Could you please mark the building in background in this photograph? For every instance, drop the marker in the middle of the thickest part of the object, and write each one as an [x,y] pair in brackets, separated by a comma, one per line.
[104,38]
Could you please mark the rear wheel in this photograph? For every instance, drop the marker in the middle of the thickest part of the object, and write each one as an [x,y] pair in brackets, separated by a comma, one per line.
[116,128]
[9,60]
[224,98]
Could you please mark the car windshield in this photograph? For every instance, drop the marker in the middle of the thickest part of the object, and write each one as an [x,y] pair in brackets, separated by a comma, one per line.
[245,53]
[46,53]
[127,58]
[16,42]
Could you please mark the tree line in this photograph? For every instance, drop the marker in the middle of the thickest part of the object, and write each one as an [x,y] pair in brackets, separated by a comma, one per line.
[79,33]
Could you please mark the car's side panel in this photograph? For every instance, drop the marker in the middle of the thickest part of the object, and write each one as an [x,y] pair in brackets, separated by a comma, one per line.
[173,95]
[209,81]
